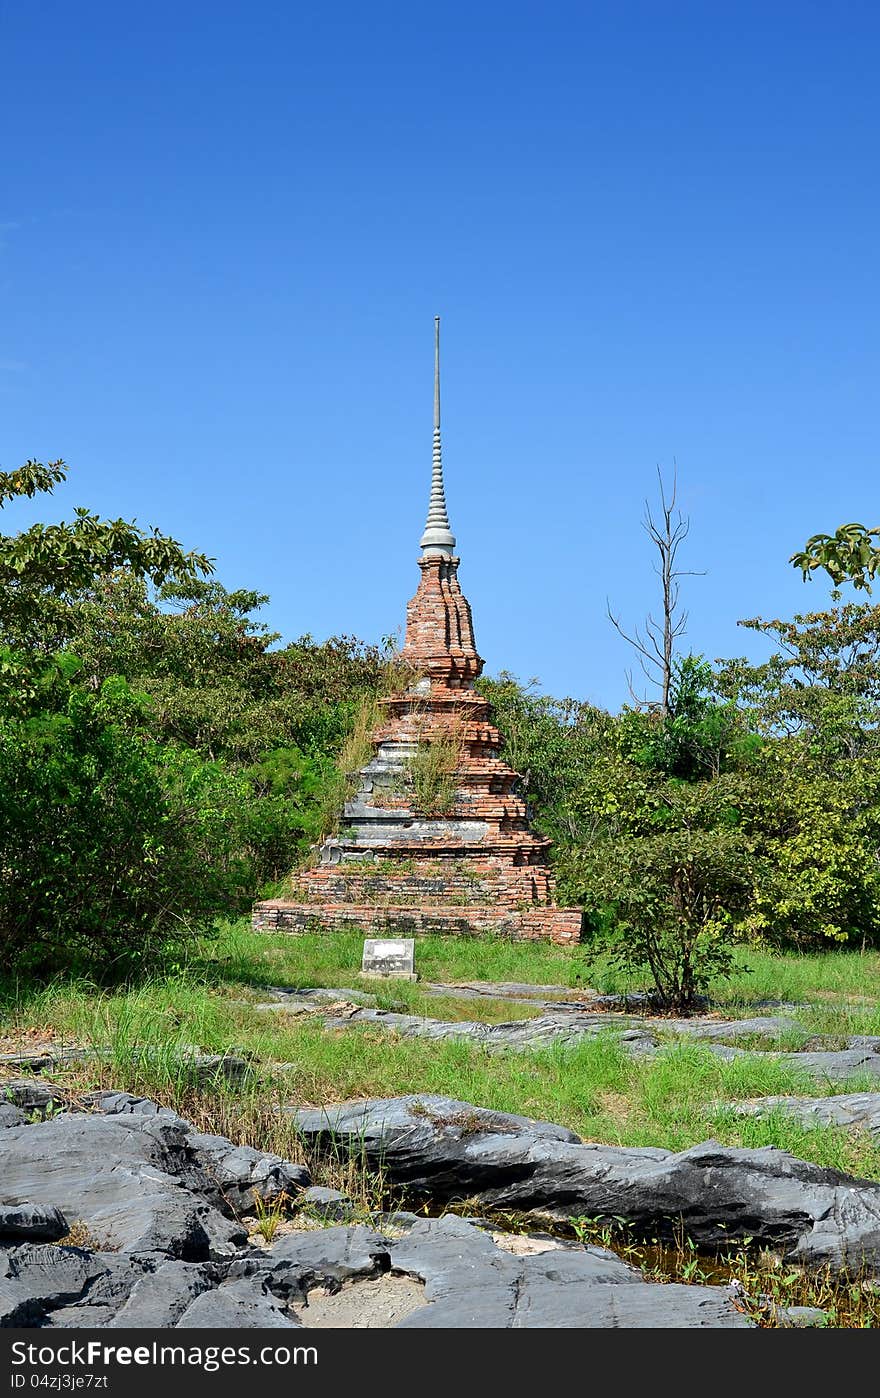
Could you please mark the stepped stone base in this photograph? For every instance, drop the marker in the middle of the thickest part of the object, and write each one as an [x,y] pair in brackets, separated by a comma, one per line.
[559,925]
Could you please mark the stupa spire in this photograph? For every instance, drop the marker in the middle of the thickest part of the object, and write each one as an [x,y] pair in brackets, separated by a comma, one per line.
[438,541]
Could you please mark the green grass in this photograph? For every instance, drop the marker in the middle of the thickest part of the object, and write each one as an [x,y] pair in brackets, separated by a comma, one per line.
[673,1100]
[595,1088]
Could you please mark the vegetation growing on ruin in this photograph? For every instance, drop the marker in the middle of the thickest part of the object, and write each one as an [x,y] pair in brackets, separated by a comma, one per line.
[432,772]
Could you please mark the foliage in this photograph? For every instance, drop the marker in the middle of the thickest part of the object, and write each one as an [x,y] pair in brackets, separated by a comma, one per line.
[823,681]
[698,738]
[848,555]
[671,897]
[820,832]
[61,559]
[113,848]
[209,665]
[432,770]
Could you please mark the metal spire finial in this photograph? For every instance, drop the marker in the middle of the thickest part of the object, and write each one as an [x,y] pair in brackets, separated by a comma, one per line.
[438,541]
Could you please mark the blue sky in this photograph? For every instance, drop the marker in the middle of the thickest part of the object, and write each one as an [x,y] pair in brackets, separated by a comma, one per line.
[650,229]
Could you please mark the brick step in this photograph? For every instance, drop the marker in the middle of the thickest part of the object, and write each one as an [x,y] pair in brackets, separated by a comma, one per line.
[560,925]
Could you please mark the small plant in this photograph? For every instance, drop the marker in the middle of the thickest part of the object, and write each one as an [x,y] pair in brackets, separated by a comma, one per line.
[597,1230]
[79,1235]
[432,770]
[270,1214]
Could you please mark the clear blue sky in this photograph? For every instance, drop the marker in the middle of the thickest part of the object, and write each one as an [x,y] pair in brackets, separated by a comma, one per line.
[651,230]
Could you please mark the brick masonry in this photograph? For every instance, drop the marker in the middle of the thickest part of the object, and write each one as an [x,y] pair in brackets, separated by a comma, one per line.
[473,868]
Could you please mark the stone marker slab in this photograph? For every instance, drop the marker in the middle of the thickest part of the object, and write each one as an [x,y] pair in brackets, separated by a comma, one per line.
[389,956]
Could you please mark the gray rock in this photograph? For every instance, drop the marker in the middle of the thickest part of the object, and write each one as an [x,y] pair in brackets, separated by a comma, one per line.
[441,1150]
[240,1305]
[79,1318]
[329,1203]
[125,1178]
[472,1283]
[33,1097]
[500,990]
[160,1298]
[832,1065]
[127,1104]
[236,1175]
[36,1061]
[761,1026]
[846,1109]
[242,1175]
[328,1257]
[17,1306]
[800,1317]
[11,1116]
[43,1278]
[201,1069]
[836,1066]
[563,1027]
[566,1023]
[32,1221]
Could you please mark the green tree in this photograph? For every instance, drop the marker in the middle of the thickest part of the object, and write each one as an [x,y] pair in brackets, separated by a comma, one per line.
[821,683]
[61,559]
[113,849]
[670,898]
[218,680]
[850,554]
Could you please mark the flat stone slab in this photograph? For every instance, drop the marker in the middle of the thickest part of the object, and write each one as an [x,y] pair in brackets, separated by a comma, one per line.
[518,992]
[567,1021]
[471,1283]
[860,1109]
[141,1179]
[203,1068]
[566,1025]
[759,1026]
[438,1148]
[298,1002]
[835,1065]
[539,1032]
[37,1221]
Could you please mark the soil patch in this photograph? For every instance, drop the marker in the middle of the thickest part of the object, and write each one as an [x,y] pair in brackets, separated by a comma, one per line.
[375,1304]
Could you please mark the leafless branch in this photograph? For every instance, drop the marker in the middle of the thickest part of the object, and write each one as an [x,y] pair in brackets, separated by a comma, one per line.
[654,644]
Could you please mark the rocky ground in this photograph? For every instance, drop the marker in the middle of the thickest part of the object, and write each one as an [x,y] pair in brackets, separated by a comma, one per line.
[115,1212]
[573,1019]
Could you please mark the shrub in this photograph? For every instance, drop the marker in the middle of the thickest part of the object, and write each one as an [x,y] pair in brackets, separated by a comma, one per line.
[673,897]
[113,848]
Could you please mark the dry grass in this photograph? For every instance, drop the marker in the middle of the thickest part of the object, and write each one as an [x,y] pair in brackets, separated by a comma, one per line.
[432,770]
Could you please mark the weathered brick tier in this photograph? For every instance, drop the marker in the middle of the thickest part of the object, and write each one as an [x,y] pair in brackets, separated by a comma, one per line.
[560,925]
[470,869]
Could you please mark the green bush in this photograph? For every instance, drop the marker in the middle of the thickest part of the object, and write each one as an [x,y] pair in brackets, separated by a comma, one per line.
[821,833]
[113,848]
[671,900]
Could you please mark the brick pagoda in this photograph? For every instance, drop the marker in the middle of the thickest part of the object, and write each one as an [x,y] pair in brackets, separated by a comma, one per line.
[473,866]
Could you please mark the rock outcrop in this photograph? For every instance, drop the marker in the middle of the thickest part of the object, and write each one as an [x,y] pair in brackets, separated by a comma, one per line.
[443,1149]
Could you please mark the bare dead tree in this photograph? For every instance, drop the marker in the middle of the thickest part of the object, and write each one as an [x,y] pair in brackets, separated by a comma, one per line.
[655,642]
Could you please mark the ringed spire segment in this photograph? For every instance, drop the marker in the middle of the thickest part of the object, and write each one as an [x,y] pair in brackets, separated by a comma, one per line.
[438,541]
